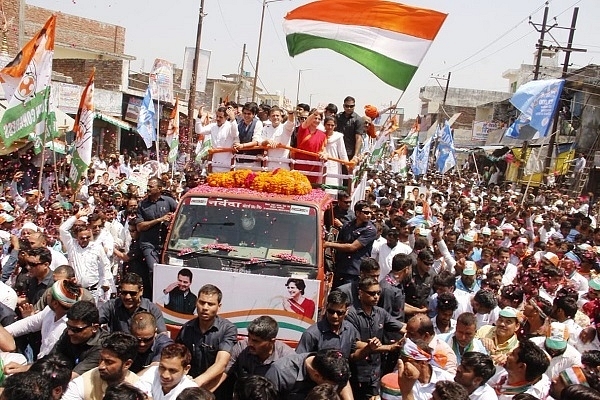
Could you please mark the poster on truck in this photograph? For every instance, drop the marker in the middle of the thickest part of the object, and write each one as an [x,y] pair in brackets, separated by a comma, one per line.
[292,302]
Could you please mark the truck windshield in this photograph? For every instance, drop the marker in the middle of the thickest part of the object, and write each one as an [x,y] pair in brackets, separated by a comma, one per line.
[246,229]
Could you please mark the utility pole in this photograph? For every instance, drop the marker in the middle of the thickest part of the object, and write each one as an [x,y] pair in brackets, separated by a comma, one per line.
[536,74]
[540,44]
[568,50]
[192,99]
[241,83]
[438,79]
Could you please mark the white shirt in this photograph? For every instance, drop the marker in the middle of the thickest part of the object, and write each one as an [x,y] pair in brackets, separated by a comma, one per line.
[484,392]
[384,255]
[223,136]
[558,364]
[280,135]
[149,383]
[539,390]
[43,321]
[8,296]
[438,332]
[106,241]
[424,391]
[58,259]
[90,263]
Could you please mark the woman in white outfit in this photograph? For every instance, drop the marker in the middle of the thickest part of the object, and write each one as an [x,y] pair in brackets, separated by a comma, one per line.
[335,148]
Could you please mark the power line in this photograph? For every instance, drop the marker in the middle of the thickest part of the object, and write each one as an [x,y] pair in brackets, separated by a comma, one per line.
[498,38]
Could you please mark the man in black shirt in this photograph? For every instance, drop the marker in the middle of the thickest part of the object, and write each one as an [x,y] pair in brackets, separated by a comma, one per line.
[353,128]
[150,344]
[179,298]
[355,241]
[154,215]
[81,342]
[418,289]
[209,338]
[371,322]
[294,376]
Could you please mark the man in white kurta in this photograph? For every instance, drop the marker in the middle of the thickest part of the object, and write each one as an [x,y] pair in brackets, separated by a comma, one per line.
[169,378]
[223,134]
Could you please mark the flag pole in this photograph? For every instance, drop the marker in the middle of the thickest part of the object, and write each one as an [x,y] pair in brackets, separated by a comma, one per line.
[157,122]
[531,175]
[43,153]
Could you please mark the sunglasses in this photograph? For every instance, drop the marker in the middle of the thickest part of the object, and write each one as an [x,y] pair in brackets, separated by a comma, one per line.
[347,202]
[348,105]
[336,312]
[132,293]
[302,118]
[366,212]
[373,293]
[35,264]
[77,329]
[145,339]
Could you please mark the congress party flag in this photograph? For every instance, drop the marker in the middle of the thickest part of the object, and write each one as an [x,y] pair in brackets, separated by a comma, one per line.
[146,126]
[26,84]
[83,128]
[537,101]
[173,132]
[389,39]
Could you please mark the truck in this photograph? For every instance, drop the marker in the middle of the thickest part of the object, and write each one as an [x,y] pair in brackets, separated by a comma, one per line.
[263,250]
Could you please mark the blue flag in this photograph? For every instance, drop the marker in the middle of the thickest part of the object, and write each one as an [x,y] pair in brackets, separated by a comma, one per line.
[537,101]
[446,157]
[146,126]
[420,158]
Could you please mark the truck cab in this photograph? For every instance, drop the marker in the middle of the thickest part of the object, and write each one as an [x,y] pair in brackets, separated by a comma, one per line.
[263,250]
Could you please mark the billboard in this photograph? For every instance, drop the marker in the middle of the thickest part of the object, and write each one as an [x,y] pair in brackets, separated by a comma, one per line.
[188,66]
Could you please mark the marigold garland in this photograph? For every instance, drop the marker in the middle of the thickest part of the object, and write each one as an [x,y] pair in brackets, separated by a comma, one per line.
[278,181]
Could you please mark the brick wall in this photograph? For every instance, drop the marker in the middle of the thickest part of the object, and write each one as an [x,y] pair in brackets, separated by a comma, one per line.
[77,31]
[70,30]
[108,72]
[11,10]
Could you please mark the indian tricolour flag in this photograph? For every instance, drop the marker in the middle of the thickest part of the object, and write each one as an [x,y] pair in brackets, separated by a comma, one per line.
[389,39]
[26,84]
[83,128]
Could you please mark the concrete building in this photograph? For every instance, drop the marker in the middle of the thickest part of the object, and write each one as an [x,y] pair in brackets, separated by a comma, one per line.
[458,100]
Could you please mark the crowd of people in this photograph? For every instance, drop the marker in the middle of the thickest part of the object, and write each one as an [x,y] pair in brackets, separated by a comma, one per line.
[445,286]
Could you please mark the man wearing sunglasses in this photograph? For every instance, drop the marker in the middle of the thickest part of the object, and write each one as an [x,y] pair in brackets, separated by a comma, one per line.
[332,331]
[352,126]
[150,343]
[80,343]
[117,313]
[355,241]
[371,322]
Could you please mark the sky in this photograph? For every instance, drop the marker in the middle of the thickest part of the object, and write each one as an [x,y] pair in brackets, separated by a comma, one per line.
[479,40]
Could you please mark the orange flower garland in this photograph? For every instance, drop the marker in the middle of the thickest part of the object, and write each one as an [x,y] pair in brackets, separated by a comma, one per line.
[278,181]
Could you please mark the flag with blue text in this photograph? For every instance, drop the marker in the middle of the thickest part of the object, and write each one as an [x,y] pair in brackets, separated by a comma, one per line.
[146,126]
[26,84]
[446,157]
[420,158]
[537,101]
